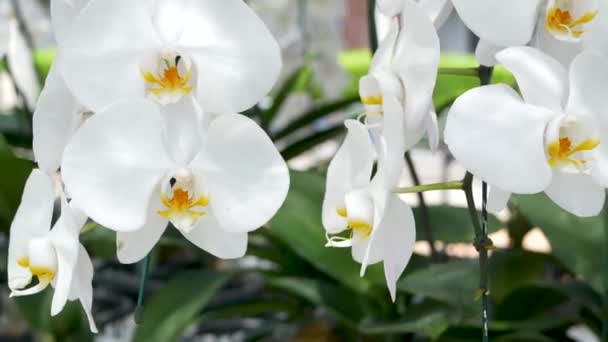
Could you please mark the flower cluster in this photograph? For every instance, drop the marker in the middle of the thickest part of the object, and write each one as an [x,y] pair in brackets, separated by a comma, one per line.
[137,127]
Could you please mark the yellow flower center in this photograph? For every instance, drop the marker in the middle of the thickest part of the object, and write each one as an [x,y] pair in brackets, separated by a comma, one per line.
[44,274]
[182,204]
[560,20]
[372,100]
[358,227]
[169,81]
[563,151]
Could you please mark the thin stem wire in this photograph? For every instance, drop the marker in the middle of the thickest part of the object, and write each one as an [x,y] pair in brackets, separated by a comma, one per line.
[371,25]
[139,309]
[605,299]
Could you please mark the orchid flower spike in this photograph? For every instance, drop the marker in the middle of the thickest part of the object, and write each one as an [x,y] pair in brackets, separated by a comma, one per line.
[58,113]
[561,28]
[404,70]
[214,183]
[551,139]
[364,214]
[438,10]
[53,256]
[220,51]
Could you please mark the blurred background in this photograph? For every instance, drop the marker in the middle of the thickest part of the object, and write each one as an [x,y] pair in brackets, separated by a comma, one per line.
[547,280]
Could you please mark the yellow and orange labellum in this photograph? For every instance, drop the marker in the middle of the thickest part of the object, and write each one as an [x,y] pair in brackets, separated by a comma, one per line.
[561,21]
[169,82]
[562,150]
[359,227]
[182,204]
[372,100]
[44,274]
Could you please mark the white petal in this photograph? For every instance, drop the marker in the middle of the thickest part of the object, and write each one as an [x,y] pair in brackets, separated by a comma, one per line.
[502,23]
[21,65]
[366,248]
[390,8]
[432,130]
[33,219]
[82,285]
[237,58]
[497,199]
[486,52]
[64,238]
[588,75]
[63,14]
[115,161]
[391,159]
[416,62]
[100,58]
[133,246]
[248,178]
[182,129]
[576,193]
[350,168]
[500,139]
[384,55]
[208,236]
[542,80]
[595,37]
[54,121]
[563,51]
[438,10]
[397,235]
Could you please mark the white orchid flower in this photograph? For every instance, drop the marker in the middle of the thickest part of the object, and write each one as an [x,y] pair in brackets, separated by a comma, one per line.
[405,68]
[552,139]
[58,113]
[561,28]
[133,170]
[438,10]
[379,225]
[167,49]
[53,256]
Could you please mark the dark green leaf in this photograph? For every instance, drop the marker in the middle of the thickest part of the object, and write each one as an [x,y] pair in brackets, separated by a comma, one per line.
[14,174]
[577,242]
[177,305]
[530,302]
[451,224]
[302,75]
[429,321]
[304,144]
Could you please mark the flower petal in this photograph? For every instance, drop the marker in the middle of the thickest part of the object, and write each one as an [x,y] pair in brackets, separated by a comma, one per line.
[563,51]
[133,246]
[350,168]
[390,8]
[432,130]
[114,163]
[182,129]
[384,55]
[543,81]
[248,178]
[576,193]
[494,20]
[497,199]
[102,66]
[63,14]
[438,10]
[82,285]
[390,160]
[208,235]
[64,238]
[237,58]
[486,52]
[33,219]
[21,64]
[397,235]
[54,121]
[588,75]
[500,139]
[416,62]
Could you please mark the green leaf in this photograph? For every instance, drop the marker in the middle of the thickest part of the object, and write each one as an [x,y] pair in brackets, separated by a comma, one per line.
[523,336]
[577,242]
[297,80]
[428,320]
[454,283]
[298,224]
[178,304]
[530,302]
[304,144]
[311,116]
[452,224]
[14,174]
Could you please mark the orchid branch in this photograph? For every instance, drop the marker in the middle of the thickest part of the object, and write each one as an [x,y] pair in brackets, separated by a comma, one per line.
[452,185]
[605,299]
[473,72]
[138,316]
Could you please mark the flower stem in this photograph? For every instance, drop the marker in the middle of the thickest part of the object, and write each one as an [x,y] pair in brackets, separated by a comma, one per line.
[371,25]
[425,217]
[605,298]
[453,185]
[139,309]
[473,72]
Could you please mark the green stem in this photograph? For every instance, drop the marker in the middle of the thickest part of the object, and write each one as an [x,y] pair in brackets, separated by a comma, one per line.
[472,72]
[371,25]
[605,299]
[139,309]
[425,218]
[453,185]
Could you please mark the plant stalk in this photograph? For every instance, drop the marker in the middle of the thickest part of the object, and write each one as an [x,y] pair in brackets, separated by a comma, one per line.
[472,72]
[371,25]
[605,298]
[139,309]
[453,185]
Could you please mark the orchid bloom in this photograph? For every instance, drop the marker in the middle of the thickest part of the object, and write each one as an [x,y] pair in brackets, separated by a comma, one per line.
[54,257]
[219,51]
[405,68]
[438,10]
[551,139]
[379,226]
[213,183]
[58,113]
[561,28]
